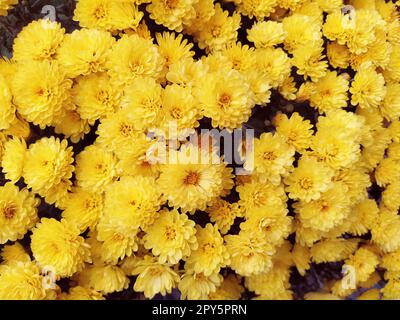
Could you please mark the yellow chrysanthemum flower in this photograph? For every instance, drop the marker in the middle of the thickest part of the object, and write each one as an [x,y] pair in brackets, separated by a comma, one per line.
[40,89]
[81,293]
[171,237]
[96,168]
[250,252]
[308,180]
[266,34]
[84,51]
[95,97]
[301,256]
[107,14]
[223,214]
[272,157]
[38,41]
[310,62]
[7,111]
[134,57]
[57,244]
[332,250]
[230,289]
[18,212]
[13,159]
[331,208]
[21,281]
[188,183]
[71,125]
[296,130]
[226,99]
[14,253]
[211,254]
[385,233]
[171,14]
[83,209]
[197,286]
[362,217]
[256,8]
[219,31]
[390,107]
[338,55]
[48,164]
[364,262]
[154,277]
[391,291]
[104,278]
[368,88]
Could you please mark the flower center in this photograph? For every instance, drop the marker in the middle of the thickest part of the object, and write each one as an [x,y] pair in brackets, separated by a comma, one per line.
[305,183]
[192,178]
[170,233]
[269,156]
[172,3]
[100,12]
[176,113]
[126,130]
[224,100]
[9,211]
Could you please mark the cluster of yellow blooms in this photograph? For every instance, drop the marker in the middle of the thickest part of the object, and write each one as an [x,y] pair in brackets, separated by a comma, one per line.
[126,216]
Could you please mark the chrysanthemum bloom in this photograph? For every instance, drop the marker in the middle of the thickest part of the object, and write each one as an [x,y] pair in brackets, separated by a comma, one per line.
[271,159]
[230,289]
[96,168]
[14,253]
[84,51]
[271,221]
[95,97]
[81,293]
[387,172]
[391,196]
[21,281]
[180,116]
[309,179]
[259,9]
[364,261]
[256,194]
[275,64]
[310,62]
[48,163]
[368,88]
[197,286]
[331,148]
[154,277]
[188,183]
[187,72]
[38,41]
[219,31]
[18,212]
[143,100]
[266,34]
[171,237]
[331,208]
[392,70]
[120,133]
[7,110]
[83,209]
[134,57]
[390,108]
[57,244]
[107,14]
[71,125]
[363,216]
[338,55]
[330,93]
[14,158]
[332,250]
[385,233]
[227,99]
[301,31]
[241,57]
[295,130]
[250,252]
[223,214]
[103,278]
[273,284]
[211,254]
[301,257]
[391,291]
[173,13]
[40,90]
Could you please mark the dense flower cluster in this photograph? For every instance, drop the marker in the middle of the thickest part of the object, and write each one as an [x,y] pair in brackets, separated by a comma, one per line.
[322,184]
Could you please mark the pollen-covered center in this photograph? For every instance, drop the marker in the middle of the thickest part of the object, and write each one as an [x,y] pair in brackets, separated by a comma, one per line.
[192,178]
[9,211]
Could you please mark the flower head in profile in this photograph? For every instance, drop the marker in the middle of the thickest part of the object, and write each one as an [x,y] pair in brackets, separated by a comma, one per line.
[154,277]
